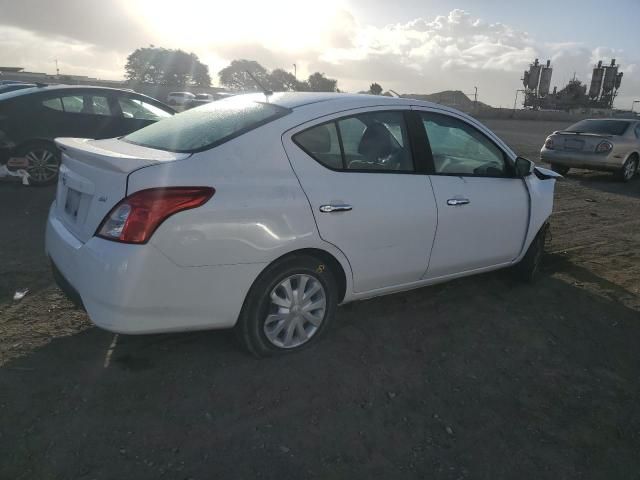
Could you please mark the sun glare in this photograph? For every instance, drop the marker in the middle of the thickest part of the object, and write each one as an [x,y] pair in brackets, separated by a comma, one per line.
[283,24]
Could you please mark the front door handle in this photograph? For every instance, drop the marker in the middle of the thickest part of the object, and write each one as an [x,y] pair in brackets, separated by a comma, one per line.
[335,208]
[458,201]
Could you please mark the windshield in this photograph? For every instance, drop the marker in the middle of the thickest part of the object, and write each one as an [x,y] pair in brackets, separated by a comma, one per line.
[602,127]
[206,126]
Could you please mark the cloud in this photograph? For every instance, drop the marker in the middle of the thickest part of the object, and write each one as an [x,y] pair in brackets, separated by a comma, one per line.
[457,51]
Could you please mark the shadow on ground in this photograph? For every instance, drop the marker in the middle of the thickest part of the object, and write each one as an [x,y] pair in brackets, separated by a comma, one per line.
[479,378]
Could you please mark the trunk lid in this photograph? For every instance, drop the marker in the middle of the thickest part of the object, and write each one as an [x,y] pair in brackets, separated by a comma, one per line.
[577,142]
[93,178]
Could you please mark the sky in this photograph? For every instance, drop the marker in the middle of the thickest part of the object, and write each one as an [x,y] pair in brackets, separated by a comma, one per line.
[410,46]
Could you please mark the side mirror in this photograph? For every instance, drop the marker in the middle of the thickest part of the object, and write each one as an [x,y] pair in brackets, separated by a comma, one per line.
[524,167]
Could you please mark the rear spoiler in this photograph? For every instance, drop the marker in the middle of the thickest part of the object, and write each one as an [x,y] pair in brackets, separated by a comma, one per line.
[587,134]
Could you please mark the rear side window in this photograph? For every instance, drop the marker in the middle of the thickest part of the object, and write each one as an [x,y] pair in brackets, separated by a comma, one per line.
[206,126]
[53,103]
[134,108]
[374,141]
[602,127]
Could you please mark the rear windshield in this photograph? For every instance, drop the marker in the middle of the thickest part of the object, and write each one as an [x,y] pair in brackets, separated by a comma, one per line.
[206,126]
[602,127]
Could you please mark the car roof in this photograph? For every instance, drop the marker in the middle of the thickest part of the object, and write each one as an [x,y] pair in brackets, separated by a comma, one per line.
[55,88]
[293,100]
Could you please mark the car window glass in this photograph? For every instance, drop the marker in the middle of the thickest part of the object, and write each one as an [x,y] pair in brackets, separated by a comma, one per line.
[135,108]
[100,105]
[321,142]
[376,141]
[206,126]
[638,130]
[73,104]
[53,103]
[460,149]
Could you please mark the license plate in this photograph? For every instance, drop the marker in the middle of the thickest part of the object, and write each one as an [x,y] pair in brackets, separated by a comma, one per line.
[72,203]
[573,144]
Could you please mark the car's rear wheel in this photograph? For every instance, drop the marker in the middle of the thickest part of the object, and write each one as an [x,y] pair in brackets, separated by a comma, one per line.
[629,169]
[528,269]
[289,307]
[43,162]
[560,169]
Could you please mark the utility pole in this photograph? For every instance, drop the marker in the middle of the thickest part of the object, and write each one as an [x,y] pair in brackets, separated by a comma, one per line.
[57,69]
[295,71]
[475,99]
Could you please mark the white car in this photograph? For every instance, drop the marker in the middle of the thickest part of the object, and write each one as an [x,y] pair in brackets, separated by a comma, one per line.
[265,213]
[179,98]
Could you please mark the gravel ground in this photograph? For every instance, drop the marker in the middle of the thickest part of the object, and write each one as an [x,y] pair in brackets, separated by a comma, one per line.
[478,378]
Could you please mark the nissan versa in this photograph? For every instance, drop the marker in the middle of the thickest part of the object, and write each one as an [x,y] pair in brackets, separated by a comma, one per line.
[263,213]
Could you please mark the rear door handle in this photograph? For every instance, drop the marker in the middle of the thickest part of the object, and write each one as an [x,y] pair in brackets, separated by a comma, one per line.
[335,208]
[458,201]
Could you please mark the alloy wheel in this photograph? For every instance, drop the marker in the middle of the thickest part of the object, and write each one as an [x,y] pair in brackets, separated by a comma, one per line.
[630,169]
[43,164]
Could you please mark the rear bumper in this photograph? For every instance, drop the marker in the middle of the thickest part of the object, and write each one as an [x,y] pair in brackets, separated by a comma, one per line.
[136,289]
[587,160]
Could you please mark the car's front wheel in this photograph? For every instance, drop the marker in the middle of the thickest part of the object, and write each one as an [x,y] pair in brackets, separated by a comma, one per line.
[629,169]
[528,269]
[289,307]
[560,169]
[43,162]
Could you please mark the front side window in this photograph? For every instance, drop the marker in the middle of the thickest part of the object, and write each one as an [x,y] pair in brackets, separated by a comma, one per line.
[134,108]
[460,149]
[206,126]
[374,141]
[638,130]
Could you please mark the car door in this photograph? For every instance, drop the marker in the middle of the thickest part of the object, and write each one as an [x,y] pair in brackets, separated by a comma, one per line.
[136,113]
[367,193]
[483,209]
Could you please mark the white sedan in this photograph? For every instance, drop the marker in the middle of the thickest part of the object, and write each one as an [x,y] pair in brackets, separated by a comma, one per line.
[265,213]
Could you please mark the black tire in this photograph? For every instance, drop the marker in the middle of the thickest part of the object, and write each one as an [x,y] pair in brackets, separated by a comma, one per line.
[629,169]
[560,169]
[44,162]
[250,328]
[528,269]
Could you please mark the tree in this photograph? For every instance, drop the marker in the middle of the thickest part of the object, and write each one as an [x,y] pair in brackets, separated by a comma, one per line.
[319,83]
[375,89]
[282,81]
[163,66]
[235,76]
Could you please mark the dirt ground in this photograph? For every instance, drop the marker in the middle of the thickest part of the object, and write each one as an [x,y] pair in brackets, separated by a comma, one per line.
[478,378]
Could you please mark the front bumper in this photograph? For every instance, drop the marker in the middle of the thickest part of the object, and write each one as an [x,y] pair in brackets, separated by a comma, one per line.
[136,289]
[586,160]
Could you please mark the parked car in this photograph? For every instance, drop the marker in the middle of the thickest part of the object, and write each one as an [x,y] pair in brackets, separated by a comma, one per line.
[179,98]
[10,87]
[31,118]
[597,144]
[265,215]
[199,99]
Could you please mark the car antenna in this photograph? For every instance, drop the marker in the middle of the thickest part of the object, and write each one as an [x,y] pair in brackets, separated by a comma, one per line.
[260,86]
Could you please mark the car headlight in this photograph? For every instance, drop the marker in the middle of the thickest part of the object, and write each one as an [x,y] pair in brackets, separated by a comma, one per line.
[548,143]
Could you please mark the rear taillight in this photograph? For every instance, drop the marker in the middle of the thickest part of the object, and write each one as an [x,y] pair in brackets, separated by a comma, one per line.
[604,146]
[136,217]
[548,144]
